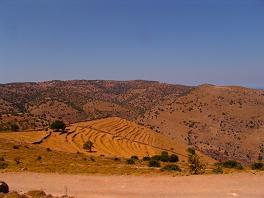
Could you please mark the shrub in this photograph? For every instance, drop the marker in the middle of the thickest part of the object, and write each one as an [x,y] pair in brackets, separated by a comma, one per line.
[146,158]
[171,167]
[130,161]
[58,125]
[88,145]
[156,158]
[3,165]
[134,157]
[218,170]
[173,158]
[164,158]
[232,164]
[257,166]
[195,164]
[154,163]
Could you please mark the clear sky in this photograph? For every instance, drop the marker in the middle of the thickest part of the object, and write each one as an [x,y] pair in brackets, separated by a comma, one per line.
[176,41]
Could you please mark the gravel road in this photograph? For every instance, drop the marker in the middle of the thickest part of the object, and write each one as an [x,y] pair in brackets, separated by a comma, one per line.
[206,186]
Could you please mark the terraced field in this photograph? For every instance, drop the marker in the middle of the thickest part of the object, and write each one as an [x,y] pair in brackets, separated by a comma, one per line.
[111,137]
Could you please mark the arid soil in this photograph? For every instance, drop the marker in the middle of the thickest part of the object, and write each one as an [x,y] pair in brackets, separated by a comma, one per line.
[205,186]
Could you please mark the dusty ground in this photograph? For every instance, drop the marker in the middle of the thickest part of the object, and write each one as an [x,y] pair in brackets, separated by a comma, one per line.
[211,186]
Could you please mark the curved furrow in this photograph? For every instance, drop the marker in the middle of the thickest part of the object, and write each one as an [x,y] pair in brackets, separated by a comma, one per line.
[132,134]
[118,130]
[108,126]
[126,133]
[112,144]
[102,145]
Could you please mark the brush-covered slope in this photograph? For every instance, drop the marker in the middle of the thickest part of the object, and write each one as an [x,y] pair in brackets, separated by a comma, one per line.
[223,122]
[75,101]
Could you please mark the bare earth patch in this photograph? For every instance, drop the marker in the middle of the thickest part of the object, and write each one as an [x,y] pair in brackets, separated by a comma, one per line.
[206,186]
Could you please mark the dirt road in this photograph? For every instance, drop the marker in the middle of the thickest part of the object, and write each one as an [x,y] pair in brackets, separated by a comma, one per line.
[212,186]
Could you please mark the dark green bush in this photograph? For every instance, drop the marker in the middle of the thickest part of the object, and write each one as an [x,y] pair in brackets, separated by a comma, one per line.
[156,158]
[232,164]
[146,158]
[257,166]
[164,158]
[130,161]
[154,163]
[173,158]
[134,157]
[58,125]
[171,167]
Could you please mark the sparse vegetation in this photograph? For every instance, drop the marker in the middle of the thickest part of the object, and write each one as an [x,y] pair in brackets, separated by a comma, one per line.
[146,158]
[130,161]
[171,167]
[154,163]
[218,170]
[258,166]
[134,157]
[232,164]
[173,158]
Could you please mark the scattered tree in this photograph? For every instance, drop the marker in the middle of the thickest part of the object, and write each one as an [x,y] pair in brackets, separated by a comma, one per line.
[195,164]
[88,145]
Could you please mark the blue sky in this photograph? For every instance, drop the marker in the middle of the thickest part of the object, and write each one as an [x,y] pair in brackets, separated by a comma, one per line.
[176,41]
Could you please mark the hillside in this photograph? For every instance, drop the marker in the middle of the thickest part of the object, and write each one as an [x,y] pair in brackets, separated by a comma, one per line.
[112,137]
[222,122]
[35,105]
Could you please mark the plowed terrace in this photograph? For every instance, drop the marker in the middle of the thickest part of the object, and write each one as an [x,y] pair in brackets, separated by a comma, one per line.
[111,137]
